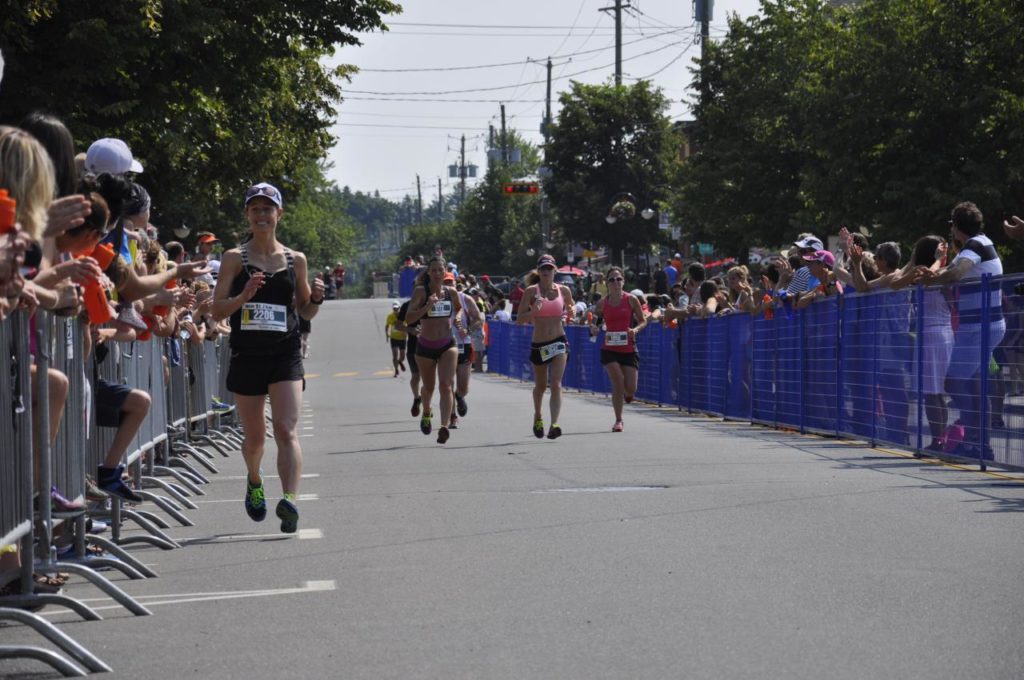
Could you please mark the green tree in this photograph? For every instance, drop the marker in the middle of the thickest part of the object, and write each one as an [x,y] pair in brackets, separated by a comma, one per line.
[493,230]
[210,96]
[607,140]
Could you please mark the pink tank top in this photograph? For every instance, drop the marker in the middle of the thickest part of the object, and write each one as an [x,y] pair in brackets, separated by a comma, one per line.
[617,321]
[550,308]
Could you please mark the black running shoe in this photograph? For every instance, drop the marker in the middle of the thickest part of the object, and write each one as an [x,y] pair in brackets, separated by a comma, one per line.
[555,432]
[453,424]
[289,516]
[442,435]
[425,426]
[255,501]
[538,428]
[415,410]
[461,406]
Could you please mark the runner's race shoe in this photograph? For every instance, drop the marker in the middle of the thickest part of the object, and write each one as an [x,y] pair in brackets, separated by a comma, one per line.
[415,410]
[461,406]
[289,516]
[425,426]
[255,501]
[442,435]
[538,428]
[453,424]
[617,427]
[555,432]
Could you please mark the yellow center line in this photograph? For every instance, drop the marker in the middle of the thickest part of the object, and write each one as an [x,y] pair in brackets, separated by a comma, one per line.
[311,375]
[346,375]
[384,373]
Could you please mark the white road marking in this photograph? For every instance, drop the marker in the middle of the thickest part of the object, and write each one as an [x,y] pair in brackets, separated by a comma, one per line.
[302,497]
[186,598]
[312,475]
[310,533]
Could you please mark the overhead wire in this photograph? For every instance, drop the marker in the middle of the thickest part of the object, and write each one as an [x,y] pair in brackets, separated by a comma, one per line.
[508,63]
[506,87]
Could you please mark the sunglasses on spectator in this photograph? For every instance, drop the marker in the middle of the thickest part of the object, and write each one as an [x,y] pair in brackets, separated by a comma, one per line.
[615,279]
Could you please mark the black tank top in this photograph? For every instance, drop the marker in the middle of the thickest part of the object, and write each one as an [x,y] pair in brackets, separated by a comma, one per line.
[268,323]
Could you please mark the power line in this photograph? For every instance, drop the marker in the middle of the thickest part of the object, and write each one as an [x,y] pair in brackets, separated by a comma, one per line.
[457,101]
[409,127]
[507,63]
[499,26]
[506,87]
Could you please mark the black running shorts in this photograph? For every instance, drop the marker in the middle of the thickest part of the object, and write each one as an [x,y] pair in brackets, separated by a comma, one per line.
[252,375]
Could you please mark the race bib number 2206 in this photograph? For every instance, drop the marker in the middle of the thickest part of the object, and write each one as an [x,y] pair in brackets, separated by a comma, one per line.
[259,316]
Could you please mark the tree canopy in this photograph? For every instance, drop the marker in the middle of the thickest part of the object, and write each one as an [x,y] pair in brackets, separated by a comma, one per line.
[608,140]
[210,96]
[881,114]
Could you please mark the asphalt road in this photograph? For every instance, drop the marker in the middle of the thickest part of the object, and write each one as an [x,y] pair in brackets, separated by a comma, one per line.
[684,547]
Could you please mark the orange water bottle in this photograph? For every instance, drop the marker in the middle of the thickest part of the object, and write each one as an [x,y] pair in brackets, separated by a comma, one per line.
[93,295]
[7,212]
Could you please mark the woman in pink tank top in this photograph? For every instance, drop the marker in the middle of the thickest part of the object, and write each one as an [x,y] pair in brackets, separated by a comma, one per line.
[546,304]
[618,351]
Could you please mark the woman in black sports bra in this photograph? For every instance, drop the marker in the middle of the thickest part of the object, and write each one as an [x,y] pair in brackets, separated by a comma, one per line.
[263,288]
[435,306]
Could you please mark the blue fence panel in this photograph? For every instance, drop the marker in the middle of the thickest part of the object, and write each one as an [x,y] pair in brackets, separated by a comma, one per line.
[649,377]
[740,349]
[911,368]
[763,401]
[788,368]
[819,359]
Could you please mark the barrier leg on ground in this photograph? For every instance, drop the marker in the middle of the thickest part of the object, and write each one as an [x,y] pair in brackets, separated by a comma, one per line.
[54,635]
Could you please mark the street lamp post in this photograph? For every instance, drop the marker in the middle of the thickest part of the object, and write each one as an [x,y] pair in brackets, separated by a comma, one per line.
[623,208]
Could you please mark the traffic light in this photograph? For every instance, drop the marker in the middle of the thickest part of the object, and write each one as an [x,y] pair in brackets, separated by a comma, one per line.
[521,188]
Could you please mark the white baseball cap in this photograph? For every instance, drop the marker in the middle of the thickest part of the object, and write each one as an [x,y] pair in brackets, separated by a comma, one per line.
[109,155]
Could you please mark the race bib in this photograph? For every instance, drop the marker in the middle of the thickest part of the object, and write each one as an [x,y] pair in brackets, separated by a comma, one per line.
[548,352]
[616,338]
[462,348]
[259,316]
[441,308]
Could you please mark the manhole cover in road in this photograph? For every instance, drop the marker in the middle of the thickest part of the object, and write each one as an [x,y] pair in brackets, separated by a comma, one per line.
[603,489]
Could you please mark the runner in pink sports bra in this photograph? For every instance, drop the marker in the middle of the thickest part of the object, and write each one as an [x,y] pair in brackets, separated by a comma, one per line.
[549,350]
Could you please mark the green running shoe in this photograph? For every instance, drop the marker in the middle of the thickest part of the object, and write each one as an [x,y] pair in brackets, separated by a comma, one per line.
[255,501]
[538,428]
[289,516]
[425,426]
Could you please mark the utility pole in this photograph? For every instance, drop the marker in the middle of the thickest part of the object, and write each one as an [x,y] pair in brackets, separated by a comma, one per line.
[703,11]
[504,138]
[462,167]
[619,6]
[419,202]
[440,201]
[547,109]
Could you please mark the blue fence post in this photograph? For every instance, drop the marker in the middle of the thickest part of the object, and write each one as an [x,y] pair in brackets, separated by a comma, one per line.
[986,320]
[802,353]
[919,302]
[777,396]
[839,363]
[874,373]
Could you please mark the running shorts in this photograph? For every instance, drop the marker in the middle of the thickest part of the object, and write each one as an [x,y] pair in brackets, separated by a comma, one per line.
[539,349]
[631,359]
[252,375]
[433,353]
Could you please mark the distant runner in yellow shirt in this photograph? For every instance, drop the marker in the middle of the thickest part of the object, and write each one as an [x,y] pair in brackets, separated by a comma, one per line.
[394,331]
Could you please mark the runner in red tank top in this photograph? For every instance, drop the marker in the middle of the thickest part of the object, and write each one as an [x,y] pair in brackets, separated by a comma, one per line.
[618,352]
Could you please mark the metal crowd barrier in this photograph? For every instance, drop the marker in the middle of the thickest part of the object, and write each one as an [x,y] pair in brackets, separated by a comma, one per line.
[16,488]
[182,400]
[894,367]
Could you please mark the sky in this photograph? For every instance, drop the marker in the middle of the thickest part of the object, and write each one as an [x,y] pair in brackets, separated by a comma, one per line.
[446,66]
